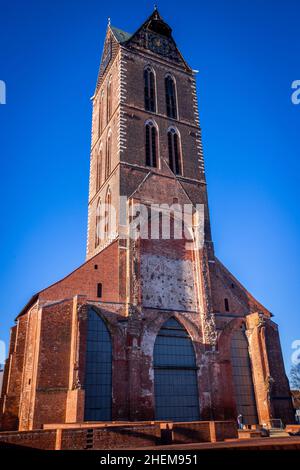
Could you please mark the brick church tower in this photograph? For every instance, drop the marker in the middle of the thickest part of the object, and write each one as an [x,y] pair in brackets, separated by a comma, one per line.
[148,328]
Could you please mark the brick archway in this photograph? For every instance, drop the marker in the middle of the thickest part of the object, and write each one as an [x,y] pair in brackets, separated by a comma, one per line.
[236,366]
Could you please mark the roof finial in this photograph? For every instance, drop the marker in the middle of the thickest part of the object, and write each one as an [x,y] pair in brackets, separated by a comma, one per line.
[155,7]
[108,21]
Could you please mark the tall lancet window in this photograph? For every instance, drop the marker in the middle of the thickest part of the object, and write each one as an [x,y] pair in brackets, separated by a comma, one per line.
[174,151]
[107,226]
[99,169]
[98,370]
[109,99]
[242,377]
[149,82]
[98,224]
[151,144]
[108,156]
[175,374]
[171,102]
[101,115]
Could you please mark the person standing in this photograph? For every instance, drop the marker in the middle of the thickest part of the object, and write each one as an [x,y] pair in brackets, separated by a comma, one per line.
[240,421]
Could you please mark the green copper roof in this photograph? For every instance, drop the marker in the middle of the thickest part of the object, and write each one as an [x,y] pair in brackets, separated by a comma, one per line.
[121,36]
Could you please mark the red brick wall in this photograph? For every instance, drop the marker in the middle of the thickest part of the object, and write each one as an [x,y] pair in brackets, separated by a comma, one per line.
[13,377]
[84,280]
[111,437]
[54,364]
[30,358]
[280,393]
[36,439]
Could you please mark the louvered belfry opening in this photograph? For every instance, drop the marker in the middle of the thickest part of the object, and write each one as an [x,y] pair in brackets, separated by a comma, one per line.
[242,377]
[175,374]
[98,373]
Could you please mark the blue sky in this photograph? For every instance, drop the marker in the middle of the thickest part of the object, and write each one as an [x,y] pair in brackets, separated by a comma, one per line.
[247,53]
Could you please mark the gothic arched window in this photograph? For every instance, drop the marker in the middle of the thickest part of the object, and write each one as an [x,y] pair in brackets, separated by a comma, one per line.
[149,83]
[242,377]
[99,169]
[98,224]
[107,226]
[108,156]
[175,374]
[174,151]
[98,370]
[171,97]
[109,99]
[151,144]
[101,115]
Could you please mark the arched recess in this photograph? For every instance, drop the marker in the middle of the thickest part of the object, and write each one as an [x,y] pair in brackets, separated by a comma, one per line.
[174,149]
[149,89]
[242,376]
[97,224]
[109,100]
[101,113]
[171,97]
[175,374]
[98,370]
[151,143]
[99,160]
[108,215]
[168,266]
[108,154]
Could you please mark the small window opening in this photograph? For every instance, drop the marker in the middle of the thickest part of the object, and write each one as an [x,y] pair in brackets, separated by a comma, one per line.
[226,303]
[99,290]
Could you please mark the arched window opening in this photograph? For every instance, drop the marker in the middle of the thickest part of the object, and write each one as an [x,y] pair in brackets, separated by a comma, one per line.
[175,374]
[109,99]
[151,144]
[99,290]
[107,225]
[174,151]
[242,377]
[108,156]
[98,224]
[171,97]
[98,373]
[99,169]
[149,83]
[101,111]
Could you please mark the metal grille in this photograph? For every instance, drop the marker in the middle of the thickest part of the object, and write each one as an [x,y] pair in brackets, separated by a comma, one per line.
[242,378]
[175,375]
[98,388]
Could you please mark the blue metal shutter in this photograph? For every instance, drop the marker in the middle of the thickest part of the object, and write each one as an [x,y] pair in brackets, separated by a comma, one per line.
[98,375]
[175,375]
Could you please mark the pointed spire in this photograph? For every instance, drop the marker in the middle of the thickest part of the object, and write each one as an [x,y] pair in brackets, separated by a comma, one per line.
[155,13]
[108,21]
[157,24]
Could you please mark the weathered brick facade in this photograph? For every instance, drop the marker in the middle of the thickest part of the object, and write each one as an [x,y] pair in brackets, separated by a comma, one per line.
[144,282]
